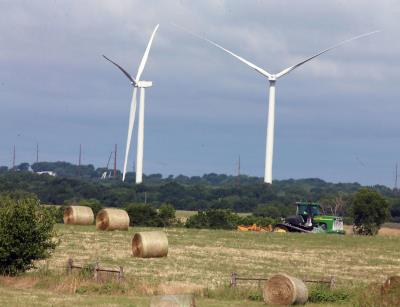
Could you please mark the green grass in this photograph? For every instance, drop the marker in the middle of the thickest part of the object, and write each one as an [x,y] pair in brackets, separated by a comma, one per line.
[201,261]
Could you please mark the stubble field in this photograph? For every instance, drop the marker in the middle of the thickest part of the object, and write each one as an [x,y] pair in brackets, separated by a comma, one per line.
[199,261]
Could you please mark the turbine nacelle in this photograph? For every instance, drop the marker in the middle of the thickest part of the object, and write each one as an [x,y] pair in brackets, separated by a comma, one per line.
[144,84]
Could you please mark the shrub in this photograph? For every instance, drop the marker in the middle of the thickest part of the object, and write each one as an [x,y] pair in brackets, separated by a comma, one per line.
[26,234]
[56,212]
[259,220]
[198,220]
[166,212]
[322,293]
[214,218]
[225,219]
[147,215]
[369,211]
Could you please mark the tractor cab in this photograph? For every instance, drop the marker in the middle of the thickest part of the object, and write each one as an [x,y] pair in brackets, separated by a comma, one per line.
[308,210]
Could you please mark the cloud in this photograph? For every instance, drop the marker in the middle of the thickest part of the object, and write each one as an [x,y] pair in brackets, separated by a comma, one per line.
[55,86]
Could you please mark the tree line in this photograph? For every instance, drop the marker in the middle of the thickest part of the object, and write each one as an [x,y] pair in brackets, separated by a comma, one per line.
[210,191]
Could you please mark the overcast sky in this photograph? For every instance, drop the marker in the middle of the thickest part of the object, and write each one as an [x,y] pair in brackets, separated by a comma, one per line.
[337,118]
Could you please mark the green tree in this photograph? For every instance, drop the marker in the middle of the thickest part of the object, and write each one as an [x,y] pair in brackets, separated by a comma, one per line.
[23,167]
[214,218]
[166,212]
[26,234]
[369,211]
[198,220]
[143,215]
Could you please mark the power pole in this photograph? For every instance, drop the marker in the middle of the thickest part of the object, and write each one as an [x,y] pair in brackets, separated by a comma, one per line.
[115,161]
[37,152]
[395,179]
[80,159]
[13,160]
[238,172]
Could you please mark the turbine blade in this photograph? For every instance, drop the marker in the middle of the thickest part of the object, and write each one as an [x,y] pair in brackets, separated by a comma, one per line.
[123,70]
[255,67]
[289,69]
[146,54]
[132,114]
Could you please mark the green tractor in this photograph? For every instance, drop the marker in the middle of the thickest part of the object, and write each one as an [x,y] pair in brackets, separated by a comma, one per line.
[309,219]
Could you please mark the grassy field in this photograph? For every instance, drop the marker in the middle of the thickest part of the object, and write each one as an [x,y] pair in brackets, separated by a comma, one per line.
[199,261]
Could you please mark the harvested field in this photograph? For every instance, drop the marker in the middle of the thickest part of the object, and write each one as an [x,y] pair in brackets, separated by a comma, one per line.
[207,257]
[201,260]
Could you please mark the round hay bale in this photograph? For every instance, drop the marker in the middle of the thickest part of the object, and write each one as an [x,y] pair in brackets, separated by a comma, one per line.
[176,300]
[393,282]
[282,289]
[78,215]
[150,244]
[112,219]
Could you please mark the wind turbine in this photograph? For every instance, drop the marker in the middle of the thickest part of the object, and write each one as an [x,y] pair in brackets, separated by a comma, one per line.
[137,83]
[272,78]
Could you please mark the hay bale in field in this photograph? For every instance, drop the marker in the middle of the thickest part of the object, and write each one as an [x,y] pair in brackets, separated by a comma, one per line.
[282,289]
[393,282]
[112,219]
[78,215]
[177,300]
[150,244]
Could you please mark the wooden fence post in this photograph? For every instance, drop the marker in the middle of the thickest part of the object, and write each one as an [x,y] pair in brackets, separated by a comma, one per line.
[233,280]
[95,272]
[70,264]
[332,283]
[121,273]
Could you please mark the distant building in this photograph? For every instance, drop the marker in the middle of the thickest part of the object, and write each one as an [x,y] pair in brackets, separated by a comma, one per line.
[50,173]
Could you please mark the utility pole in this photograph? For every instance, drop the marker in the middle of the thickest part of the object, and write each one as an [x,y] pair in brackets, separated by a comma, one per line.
[238,172]
[13,160]
[115,161]
[395,179]
[80,159]
[37,152]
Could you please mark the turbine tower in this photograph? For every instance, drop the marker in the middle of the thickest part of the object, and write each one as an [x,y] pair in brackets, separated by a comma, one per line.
[137,83]
[272,78]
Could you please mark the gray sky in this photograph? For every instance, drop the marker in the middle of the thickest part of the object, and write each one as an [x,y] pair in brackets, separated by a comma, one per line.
[337,118]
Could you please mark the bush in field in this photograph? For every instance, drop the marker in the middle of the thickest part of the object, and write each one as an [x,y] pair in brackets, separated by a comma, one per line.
[143,215]
[225,219]
[369,211]
[259,220]
[323,294]
[166,212]
[147,215]
[214,219]
[26,234]
[199,220]
[56,212]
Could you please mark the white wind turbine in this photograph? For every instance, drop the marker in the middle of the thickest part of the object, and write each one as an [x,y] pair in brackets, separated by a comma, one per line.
[137,83]
[272,80]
